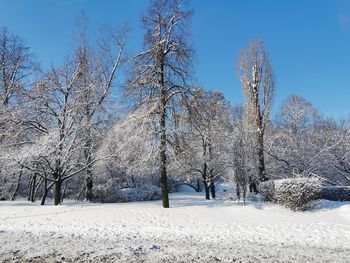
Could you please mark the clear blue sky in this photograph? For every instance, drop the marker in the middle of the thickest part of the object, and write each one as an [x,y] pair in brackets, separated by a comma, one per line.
[308,40]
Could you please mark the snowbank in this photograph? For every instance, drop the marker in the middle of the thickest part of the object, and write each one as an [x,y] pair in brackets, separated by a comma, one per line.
[193,229]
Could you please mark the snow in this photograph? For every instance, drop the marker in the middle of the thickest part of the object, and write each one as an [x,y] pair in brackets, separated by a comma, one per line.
[193,229]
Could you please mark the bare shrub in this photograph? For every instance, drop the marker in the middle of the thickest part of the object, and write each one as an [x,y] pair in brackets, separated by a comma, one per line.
[267,191]
[297,193]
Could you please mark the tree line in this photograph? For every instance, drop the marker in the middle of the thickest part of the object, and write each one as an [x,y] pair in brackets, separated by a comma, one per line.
[62,133]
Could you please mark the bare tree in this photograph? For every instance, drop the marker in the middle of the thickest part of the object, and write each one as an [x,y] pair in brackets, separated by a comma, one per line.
[305,143]
[204,137]
[339,156]
[97,71]
[240,160]
[133,145]
[297,114]
[291,142]
[16,68]
[161,72]
[54,101]
[256,76]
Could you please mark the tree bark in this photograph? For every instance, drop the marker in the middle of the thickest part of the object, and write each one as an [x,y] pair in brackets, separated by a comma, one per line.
[29,188]
[38,186]
[58,191]
[89,196]
[206,189]
[261,160]
[198,186]
[64,191]
[162,152]
[206,186]
[212,190]
[15,192]
[32,190]
[162,145]
[46,191]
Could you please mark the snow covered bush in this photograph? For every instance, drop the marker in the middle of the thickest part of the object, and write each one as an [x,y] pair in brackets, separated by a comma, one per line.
[144,193]
[109,193]
[297,193]
[267,191]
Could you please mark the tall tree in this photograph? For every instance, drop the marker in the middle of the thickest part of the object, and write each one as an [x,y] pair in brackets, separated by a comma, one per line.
[256,76]
[161,72]
[202,147]
[97,71]
[54,152]
[16,68]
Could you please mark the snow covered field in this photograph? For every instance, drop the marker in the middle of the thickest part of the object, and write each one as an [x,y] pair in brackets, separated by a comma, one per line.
[192,230]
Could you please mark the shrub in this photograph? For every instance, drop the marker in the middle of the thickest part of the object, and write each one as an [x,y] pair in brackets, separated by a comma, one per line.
[267,191]
[144,193]
[297,193]
[108,193]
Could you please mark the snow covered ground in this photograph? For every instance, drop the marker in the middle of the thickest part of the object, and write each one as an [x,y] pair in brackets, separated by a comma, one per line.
[192,230]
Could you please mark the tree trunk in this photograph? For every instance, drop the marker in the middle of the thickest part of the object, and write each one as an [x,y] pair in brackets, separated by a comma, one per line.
[238,192]
[244,196]
[163,170]
[46,191]
[38,186]
[58,191]
[32,190]
[89,196]
[198,186]
[64,191]
[261,161]
[212,190]
[206,189]
[15,192]
[162,145]
[88,151]
[29,188]
[206,186]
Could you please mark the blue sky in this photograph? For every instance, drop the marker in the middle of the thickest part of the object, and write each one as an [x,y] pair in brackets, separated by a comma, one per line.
[308,40]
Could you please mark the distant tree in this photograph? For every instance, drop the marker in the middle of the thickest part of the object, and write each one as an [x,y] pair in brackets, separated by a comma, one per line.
[333,160]
[97,72]
[134,146]
[303,142]
[16,70]
[297,114]
[290,142]
[203,147]
[256,76]
[241,156]
[161,72]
